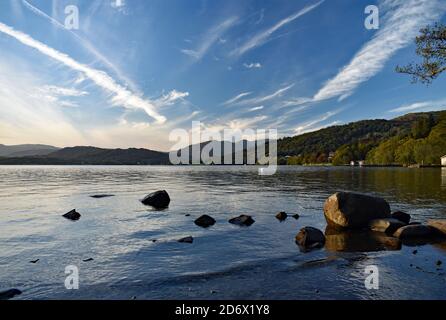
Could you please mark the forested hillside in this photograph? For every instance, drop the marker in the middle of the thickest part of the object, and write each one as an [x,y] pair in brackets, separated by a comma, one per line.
[413,138]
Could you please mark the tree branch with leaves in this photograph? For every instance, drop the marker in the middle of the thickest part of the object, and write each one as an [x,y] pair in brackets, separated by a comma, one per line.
[431,47]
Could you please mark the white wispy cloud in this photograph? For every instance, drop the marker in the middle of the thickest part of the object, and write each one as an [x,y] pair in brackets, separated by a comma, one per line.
[171,98]
[398,29]
[210,38]
[252,65]
[263,36]
[66,92]
[121,95]
[311,125]
[236,98]
[420,106]
[83,42]
[256,108]
[261,99]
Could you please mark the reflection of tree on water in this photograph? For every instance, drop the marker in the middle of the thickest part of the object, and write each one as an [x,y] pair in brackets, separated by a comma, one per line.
[443,177]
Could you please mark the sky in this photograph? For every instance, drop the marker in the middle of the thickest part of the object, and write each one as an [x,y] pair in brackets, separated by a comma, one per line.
[135,70]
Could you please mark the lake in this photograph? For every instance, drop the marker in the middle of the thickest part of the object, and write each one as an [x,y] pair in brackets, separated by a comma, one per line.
[224,261]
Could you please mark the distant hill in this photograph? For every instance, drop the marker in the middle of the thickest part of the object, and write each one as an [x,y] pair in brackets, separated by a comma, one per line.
[94,156]
[25,150]
[409,139]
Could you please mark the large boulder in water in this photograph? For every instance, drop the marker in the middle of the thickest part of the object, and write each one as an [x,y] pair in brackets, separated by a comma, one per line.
[158,199]
[310,238]
[352,210]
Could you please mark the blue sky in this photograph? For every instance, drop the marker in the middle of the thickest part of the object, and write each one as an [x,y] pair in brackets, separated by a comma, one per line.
[137,69]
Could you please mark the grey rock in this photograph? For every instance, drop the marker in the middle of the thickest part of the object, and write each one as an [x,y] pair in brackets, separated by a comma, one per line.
[310,238]
[205,221]
[9,294]
[72,215]
[242,220]
[186,240]
[157,199]
[401,216]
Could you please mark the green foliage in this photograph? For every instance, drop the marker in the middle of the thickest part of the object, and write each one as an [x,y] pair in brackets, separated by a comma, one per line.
[425,145]
[431,47]
[410,139]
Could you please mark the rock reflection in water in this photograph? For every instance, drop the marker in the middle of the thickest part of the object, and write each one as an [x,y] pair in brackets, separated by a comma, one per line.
[339,240]
[443,177]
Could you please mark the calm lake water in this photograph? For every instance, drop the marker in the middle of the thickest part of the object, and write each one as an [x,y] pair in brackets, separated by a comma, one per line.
[225,261]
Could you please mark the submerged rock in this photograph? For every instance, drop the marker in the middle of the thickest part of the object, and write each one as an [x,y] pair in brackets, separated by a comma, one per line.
[88,260]
[186,240]
[439,224]
[72,215]
[388,225]
[344,240]
[100,196]
[310,238]
[34,261]
[242,220]
[205,221]
[416,231]
[352,210]
[281,216]
[157,199]
[401,216]
[9,294]
[296,216]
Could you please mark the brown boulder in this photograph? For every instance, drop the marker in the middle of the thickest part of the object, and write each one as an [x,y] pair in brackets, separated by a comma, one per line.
[352,210]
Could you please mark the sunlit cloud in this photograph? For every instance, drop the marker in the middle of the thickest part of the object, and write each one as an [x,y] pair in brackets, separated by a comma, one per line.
[121,96]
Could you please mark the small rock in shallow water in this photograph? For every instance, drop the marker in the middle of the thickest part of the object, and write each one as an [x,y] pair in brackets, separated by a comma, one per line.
[205,221]
[100,196]
[187,215]
[242,220]
[401,216]
[439,263]
[415,252]
[9,294]
[88,260]
[72,215]
[186,240]
[389,225]
[310,238]
[415,231]
[439,224]
[281,216]
[296,216]
[35,261]
[158,199]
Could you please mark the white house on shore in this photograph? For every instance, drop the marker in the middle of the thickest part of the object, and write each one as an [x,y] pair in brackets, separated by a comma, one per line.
[443,161]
